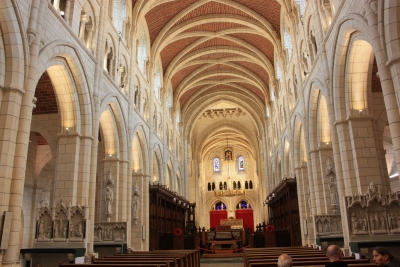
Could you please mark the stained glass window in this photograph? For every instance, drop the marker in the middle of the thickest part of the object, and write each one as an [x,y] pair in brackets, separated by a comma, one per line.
[241,163]
[216,165]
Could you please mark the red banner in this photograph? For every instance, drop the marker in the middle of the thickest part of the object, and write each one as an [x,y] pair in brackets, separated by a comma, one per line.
[216,216]
[247,216]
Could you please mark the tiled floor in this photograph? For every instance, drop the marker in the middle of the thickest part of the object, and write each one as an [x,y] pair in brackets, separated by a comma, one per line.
[231,262]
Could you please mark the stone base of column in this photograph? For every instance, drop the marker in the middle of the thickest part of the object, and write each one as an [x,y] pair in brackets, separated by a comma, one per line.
[88,257]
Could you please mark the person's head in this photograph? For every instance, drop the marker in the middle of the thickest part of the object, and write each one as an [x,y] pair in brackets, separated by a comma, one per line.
[334,253]
[285,260]
[382,256]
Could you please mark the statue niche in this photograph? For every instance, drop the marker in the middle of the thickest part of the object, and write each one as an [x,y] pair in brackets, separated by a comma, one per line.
[44,225]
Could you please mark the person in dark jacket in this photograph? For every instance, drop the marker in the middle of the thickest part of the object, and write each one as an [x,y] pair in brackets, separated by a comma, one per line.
[383,258]
[335,256]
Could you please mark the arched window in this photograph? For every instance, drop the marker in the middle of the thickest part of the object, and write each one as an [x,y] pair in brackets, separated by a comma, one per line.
[243,204]
[142,51]
[220,206]
[169,102]
[216,165]
[157,81]
[119,15]
[302,6]
[272,94]
[287,40]
[278,71]
[177,118]
[241,163]
[209,186]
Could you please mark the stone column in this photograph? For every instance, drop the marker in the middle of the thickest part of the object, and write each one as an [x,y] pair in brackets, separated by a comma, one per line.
[315,183]
[67,167]
[14,144]
[364,153]
[82,27]
[324,151]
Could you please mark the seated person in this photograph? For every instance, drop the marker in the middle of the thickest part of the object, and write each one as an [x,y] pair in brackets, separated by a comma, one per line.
[285,260]
[335,256]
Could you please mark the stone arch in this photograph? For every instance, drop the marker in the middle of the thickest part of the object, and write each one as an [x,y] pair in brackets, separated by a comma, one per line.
[114,124]
[12,71]
[141,135]
[157,163]
[49,57]
[348,26]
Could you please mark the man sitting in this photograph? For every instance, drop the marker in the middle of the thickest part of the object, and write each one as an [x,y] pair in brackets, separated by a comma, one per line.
[335,256]
[285,260]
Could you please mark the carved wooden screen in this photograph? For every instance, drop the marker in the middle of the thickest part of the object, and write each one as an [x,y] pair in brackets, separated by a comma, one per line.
[168,211]
[284,213]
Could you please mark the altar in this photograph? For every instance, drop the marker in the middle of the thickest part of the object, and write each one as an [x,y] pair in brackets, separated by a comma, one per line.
[228,237]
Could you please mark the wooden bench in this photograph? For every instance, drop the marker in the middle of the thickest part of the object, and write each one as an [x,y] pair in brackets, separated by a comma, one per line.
[262,263]
[112,265]
[171,262]
[186,258]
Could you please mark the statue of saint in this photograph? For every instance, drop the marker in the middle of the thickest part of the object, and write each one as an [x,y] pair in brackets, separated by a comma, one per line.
[109,200]
[333,190]
[135,201]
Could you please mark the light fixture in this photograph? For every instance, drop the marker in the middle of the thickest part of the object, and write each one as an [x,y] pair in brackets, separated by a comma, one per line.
[110,156]
[67,130]
[62,13]
[273,194]
[327,144]
[360,112]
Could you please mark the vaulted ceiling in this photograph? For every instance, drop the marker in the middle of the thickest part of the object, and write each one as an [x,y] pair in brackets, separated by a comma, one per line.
[207,46]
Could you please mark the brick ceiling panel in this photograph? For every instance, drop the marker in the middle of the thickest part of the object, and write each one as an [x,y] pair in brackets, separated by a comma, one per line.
[46,96]
[256,69]
[269,9]
[171,50]
[188,94]
[254,89]
[220,78]
[218,56]
[41,141]
[212,8]
[221,87]
[162,14]
[214,42]
[263,44]
[218,67]
[214,27]
[180,75]
[210,90]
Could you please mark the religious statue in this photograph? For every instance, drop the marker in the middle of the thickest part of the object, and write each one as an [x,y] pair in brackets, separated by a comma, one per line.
[330,173]
[333,190]
[135,201]
[109,199]
[228,154]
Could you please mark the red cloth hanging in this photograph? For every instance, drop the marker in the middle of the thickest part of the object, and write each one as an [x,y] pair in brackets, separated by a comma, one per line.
[216,216]
[247,216]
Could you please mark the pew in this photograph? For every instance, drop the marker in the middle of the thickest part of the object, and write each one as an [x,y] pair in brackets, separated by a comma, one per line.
[301,256]
[112,265]
[188,258]
[171,262]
